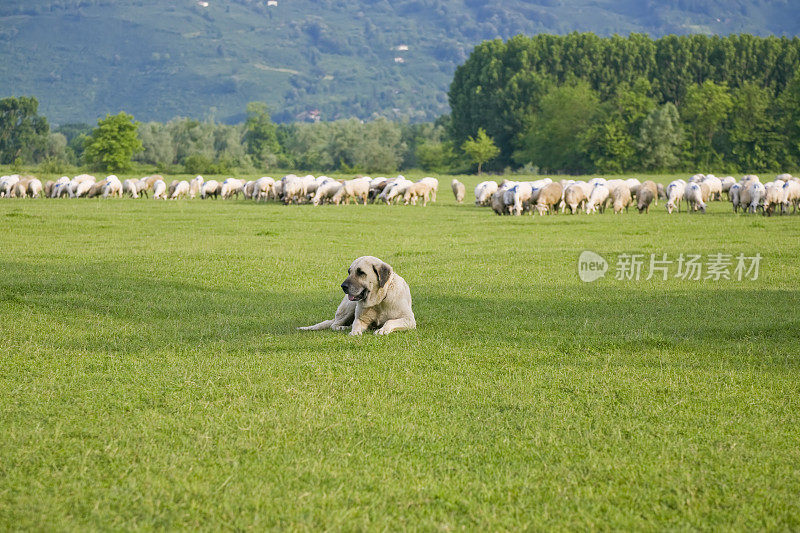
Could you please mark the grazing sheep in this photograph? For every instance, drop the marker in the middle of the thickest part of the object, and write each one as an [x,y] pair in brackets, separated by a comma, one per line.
[396,189]
[498,202]
[276,192]
[209,188]
[131,188]
[376,187]
[81,185]
[151,180]
[697,178]
[773,196]
[549,198]
[521,198]
[458,190]
[694,197]
[181,190]
[751,196]
[327,192]
[159,190]
[420,189]
[195,186]
[714,186]
[597,198]
[484,191]
[7,184]
[112,187]
[727,182]
[434,185]
[355,189]
[675,191]
[249,189]
[575,197]
[621,198]
[231,187]
[651,185]
[633,184]
[791,195]
[34,188]
[644,198]
[263,188]
[734,196]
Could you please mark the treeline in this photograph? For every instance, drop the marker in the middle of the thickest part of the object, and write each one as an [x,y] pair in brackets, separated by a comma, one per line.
[187,145]
[581,103]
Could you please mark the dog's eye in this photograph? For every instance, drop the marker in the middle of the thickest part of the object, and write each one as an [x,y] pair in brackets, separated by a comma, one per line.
[360,272]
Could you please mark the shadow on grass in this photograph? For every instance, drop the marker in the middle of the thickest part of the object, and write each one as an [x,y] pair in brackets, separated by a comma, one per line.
[98,307]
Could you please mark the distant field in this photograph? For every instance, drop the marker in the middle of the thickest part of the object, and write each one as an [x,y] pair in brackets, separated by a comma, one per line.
[153,378]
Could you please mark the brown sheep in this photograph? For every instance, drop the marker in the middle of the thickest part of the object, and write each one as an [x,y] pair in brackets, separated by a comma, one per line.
[549,198]
[621,197]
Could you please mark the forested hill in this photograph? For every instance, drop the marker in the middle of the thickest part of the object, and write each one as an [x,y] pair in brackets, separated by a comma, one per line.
[159,59]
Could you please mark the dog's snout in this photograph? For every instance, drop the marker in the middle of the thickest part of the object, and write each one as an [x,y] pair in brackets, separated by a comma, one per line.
[344,286]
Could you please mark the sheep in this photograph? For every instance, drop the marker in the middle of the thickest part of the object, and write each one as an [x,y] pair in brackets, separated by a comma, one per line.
[112,187]
[81,185]
[327,192]
[694,197]
[96,189]
[59,188]
[458,190]
[20,188]
[131,188]
[420,189]
[773,196]
[791,195]
[397,189]
[484,191]
[597,198]
[7,184]
[159,190]
[292,188]
[662,192]
[263,187]
[644,198]
[714,185]
[434,185]
[575,197]
[376,187]
[249,189]
[697,178]
[209,188]
[521,197]
[650,185]
[34,188]
[195,186]
[48,188]
[151,180]
[633,184]
[171,188]
[497,202]
[675,191]
[181,190]
[355,189]
[733,196]
[231,187]
[621,198]
[276,191]
[727,182]
[751,196]
[549,198]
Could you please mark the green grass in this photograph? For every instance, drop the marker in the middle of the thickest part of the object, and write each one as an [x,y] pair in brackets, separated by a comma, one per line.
[153,379]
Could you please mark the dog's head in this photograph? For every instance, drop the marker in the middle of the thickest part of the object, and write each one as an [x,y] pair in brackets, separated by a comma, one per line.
[366,279]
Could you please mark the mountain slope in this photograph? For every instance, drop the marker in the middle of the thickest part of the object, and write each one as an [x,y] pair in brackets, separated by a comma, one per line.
[159,59]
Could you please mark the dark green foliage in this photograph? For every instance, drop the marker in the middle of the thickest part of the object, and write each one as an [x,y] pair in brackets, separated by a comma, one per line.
[23,132]
[113,143]
[515,90]
[260,135]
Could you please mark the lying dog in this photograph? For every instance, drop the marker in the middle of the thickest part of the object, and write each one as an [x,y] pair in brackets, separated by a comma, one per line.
[375,296]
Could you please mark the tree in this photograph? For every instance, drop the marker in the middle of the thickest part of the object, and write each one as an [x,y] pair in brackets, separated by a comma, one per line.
[755,144]
[481,149]
[23,132]
[705,108]
[555,138]
[260,136]
[661,138]
[113,142]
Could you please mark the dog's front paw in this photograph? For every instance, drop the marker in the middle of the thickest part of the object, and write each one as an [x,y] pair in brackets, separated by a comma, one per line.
[356,332]
[383,331]
[339,328]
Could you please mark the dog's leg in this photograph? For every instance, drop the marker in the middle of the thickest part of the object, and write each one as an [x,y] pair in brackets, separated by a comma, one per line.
[322,325]
[398,324]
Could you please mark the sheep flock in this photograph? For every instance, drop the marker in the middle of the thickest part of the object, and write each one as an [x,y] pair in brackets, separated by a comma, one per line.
[542,196]
[545,196]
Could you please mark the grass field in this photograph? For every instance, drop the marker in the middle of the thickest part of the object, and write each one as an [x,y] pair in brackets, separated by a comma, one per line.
[153,378]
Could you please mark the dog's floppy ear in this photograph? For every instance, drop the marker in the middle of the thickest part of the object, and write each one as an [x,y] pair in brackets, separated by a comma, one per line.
[383,272]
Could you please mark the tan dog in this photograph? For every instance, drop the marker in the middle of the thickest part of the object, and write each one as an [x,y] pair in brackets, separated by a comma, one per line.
[374,296]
